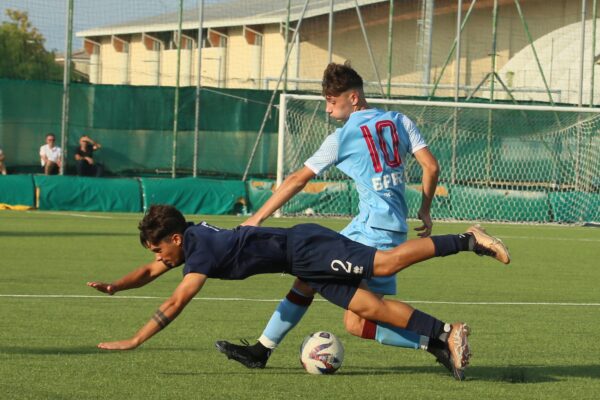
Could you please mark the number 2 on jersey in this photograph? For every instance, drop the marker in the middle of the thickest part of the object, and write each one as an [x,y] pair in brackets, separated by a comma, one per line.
[379,128]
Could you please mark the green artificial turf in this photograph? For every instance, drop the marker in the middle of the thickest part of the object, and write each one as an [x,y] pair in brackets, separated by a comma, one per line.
[535,323]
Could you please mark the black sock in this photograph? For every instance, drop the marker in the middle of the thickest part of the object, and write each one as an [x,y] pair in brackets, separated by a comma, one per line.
[446,245]
[426,325]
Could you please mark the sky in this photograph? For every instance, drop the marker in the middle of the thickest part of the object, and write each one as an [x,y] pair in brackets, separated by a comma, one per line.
[50,16]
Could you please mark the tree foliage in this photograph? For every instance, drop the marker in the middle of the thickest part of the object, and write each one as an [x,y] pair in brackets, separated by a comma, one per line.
[22,52]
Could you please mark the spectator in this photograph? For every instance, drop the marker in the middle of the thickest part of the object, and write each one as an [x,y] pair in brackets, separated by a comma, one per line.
[50,156]
[84,155]
[2,166]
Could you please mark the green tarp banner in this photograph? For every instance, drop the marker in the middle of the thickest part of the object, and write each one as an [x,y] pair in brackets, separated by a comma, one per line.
[508,205]
[134,124]
[88,194]
[17,190]
[566,206]
[196,195]
[211,196]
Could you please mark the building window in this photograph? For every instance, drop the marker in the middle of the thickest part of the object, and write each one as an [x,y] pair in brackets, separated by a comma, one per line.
[120,45]
[217,39]
[151,43]
[91,47]
[253,36]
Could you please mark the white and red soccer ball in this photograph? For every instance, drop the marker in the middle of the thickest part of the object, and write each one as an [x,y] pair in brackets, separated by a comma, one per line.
[321,353]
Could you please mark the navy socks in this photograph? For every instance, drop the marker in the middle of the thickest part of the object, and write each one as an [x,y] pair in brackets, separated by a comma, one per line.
[446,245]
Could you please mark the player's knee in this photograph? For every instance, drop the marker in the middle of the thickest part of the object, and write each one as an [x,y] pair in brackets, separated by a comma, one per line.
[385,262]
[367,313]
[353,323]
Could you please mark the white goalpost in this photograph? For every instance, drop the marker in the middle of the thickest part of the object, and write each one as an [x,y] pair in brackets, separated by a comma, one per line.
[499,162]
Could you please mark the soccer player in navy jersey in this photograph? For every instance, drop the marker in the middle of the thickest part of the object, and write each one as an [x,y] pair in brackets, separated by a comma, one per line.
[372,148]
[328,262]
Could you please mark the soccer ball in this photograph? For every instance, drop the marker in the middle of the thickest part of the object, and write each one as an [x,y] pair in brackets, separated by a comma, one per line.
[321,353]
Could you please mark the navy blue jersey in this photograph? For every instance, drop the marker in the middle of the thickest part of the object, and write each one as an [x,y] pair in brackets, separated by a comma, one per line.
[330,263]
[234,253]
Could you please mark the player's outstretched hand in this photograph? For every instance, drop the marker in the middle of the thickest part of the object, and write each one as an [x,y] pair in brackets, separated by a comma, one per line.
[107,288]
[425,229]
[128,344]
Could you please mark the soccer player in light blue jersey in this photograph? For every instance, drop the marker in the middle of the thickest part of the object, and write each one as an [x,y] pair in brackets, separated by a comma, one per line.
[372,148]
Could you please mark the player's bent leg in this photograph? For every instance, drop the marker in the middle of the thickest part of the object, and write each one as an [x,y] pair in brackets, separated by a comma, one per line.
[393,336]
[383,333]
[286,316]
[450,343]
[369,306]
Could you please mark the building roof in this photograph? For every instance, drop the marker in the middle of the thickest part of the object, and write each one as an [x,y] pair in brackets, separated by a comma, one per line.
[228,13]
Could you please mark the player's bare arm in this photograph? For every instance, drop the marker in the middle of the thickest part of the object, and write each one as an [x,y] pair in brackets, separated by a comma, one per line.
[288,189]
[137,278]
[166,313]
[431,171]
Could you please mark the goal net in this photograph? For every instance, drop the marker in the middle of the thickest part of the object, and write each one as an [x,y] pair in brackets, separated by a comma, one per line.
[512,163]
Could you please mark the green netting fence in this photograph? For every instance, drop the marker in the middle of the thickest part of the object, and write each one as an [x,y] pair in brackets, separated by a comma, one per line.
[497,164]
[135,126]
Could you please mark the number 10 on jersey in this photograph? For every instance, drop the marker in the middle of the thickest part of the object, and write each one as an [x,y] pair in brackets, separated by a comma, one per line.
[380,126]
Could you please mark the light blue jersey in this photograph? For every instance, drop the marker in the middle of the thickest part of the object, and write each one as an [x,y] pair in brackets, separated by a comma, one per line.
[372,148]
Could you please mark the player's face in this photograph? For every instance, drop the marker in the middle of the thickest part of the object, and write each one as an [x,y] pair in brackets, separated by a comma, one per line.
[340,107]
[169,251]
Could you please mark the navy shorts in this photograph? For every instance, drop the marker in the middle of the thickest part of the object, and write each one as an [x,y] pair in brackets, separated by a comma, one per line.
[330,263]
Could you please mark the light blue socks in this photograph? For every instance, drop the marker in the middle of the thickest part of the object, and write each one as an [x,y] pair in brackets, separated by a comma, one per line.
[287,315]
[393,336]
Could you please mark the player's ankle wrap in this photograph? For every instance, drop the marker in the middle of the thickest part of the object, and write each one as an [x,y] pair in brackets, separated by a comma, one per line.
[446,245]
[426,325]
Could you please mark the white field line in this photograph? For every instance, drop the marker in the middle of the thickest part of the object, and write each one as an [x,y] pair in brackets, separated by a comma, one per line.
[122,217]
[467,303]
[550,238]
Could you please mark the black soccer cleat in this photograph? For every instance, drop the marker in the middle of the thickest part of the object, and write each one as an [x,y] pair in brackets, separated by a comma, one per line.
[443,357]
[243,354]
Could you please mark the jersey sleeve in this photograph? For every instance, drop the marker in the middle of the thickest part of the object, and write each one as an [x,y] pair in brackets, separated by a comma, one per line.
[416,140]
[326,156]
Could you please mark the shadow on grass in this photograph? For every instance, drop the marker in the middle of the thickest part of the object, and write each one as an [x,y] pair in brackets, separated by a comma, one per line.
[522,374]
[528,374]
[63,234]
[73,350]
[57,351]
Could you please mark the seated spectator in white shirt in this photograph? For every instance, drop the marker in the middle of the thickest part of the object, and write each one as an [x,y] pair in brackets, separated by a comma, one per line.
[50,156]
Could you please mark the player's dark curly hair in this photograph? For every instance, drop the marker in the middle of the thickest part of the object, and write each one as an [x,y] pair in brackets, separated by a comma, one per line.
[159,222]
[339,78]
